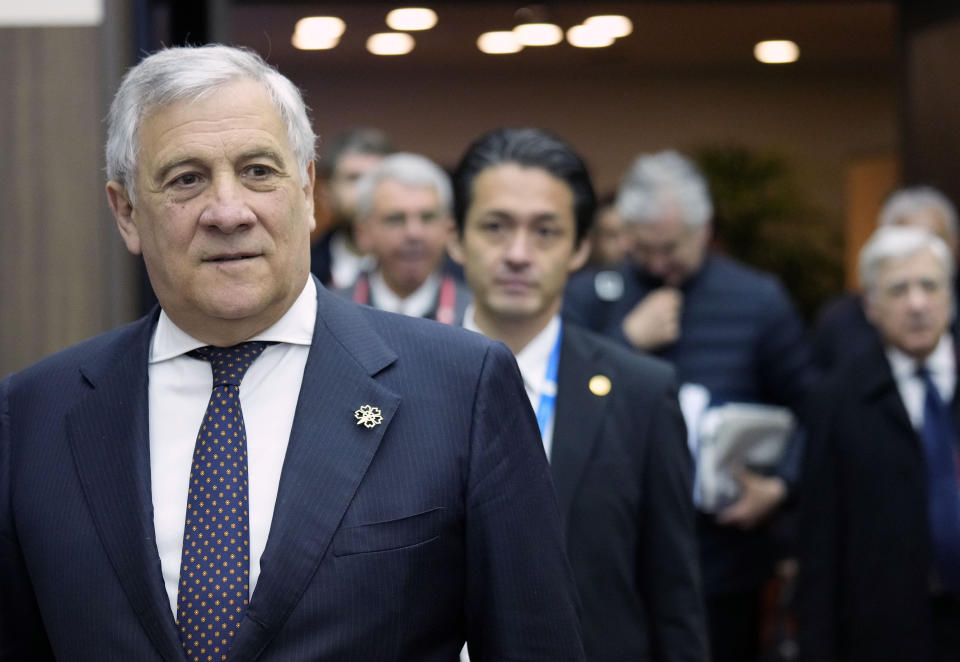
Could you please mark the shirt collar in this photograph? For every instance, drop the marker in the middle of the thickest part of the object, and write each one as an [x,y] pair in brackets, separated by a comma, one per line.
[940,363]
[345,265]
[295,327]
[534,357]
[418,304]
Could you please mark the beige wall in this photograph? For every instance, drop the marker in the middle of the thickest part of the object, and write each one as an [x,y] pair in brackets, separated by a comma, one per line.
[819,120]
[63,276]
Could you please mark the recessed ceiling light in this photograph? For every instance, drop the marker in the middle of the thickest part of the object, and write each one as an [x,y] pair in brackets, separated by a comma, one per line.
[614,25]
[778,51]
[588,36]
[320,27]
[390,43]
[305,43]
[538,34]
[412,18]
[499,42]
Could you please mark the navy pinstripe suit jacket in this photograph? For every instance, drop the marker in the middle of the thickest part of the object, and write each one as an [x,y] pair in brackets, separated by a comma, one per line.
[391,543]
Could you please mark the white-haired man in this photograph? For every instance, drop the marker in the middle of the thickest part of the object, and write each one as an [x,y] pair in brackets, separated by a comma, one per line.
[880,526]
[404,221]
[842,327]
[732,333]
[259,469]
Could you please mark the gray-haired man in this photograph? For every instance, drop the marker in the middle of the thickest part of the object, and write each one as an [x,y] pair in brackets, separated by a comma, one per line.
[373,489]
[731,332]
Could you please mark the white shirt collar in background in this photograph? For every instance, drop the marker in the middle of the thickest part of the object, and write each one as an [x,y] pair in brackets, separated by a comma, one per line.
[418,304]
[532,360]
[345,265]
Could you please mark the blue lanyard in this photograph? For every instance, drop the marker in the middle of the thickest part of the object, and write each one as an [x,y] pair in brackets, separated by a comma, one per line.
[548,394]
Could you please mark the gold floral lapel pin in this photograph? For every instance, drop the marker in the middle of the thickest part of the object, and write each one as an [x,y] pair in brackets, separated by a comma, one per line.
[368,416]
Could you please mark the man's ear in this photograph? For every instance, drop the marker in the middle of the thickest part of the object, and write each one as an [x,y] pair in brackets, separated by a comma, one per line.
[123,211]
[454,248]
[870,310]
[308,187]
[579,257]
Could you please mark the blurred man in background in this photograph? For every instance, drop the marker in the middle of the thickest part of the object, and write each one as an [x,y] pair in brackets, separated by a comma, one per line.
[404,221]
[880,526]
[842,328]
[335,257]
[733,336]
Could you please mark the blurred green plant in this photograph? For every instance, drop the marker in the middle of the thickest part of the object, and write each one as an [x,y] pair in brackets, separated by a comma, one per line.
[763,219]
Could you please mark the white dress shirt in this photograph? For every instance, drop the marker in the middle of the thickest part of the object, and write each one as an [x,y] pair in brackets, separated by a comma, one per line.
[418,304]
[532,360]
[345,265]
[178,393]
[942,367]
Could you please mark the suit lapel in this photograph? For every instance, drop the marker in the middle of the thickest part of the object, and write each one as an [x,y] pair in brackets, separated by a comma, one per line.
[327,457]
[879,385]
[108,433]
[579,415]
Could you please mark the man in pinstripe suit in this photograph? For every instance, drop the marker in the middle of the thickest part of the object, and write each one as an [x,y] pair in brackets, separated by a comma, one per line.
[399,501]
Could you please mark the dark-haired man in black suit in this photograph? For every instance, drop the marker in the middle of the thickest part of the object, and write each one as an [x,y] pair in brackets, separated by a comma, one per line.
[609,419]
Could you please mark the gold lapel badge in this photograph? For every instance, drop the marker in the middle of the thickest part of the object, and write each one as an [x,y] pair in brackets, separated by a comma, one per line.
[600,385]
[368,416]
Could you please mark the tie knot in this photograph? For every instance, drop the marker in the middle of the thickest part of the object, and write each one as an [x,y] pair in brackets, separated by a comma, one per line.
[229,364]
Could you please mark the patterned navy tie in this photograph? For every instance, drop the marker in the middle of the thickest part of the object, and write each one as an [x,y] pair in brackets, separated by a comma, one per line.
[215,566]
[943,484]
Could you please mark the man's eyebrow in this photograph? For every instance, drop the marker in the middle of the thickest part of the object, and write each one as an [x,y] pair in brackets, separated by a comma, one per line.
[274,156]
[270,154]
[172,165]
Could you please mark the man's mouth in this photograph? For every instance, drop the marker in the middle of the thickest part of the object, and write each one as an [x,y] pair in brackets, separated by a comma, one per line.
[231,257]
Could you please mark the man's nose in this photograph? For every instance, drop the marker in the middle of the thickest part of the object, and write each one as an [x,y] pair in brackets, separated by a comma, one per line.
[518,248]
[657,263]
[414,227]
[917,297]
[227,207]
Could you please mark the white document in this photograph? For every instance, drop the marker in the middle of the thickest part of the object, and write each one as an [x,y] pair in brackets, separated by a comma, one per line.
[734,435]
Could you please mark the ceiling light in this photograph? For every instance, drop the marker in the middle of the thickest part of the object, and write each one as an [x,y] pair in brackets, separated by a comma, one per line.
[779,51]
[588,36]
[412,18]
[320,28]
[390,43]
[305,43]
[614,25]
[538,34]
[499,42]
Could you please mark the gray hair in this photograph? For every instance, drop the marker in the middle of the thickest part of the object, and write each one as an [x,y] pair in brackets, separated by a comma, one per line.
[897,242]
[187,74]
[661,183]
[360,140]
[411,170]
[908,201]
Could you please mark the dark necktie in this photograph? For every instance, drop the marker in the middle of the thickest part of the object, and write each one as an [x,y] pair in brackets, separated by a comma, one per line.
[215,566]
[943,485]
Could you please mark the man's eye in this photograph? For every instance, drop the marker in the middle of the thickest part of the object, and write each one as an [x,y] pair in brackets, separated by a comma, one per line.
[491,226]
[186,179]
[259,171]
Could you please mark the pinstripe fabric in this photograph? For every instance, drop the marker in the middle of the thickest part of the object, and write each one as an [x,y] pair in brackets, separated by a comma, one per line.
[391,543]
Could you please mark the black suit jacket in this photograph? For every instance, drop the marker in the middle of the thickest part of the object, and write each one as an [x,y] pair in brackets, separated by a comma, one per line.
[389,543]
[864,591]
[622,471]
